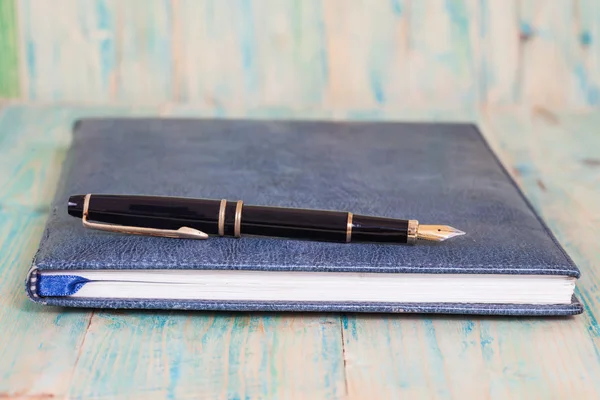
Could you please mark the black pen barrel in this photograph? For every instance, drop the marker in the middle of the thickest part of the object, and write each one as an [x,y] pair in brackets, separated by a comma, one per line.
[150,211]
[294,223]
[231,218]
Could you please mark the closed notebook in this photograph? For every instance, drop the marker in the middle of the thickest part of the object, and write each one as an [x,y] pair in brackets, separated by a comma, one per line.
[507,263]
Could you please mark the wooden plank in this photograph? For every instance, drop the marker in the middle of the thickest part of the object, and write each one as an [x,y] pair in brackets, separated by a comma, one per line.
[71,56]
[531,145]
[572,141]
[446,357]
[340,54]
[39,347]
[29,172]
[39,137]
[587,68]
[201,77]
[288,52]
[548,52]
[413,356]
[367,49]
[442,65]
[500,55]
[98,51]
[271,55]
[210,355]
[178,355]
[144,53]
[9,60]
[402,53]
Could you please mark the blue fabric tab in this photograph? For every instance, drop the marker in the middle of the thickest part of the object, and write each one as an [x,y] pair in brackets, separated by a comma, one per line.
[60,285]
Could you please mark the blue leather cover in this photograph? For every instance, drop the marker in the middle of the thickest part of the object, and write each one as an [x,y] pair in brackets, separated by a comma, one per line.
[436,173]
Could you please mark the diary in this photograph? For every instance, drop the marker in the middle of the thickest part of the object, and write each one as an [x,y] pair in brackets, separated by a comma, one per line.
[507,263]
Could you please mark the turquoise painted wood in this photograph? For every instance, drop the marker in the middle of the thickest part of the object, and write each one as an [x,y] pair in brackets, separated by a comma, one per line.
[55,353]
[500,63]
[548,39]
[341,54]
[587,69]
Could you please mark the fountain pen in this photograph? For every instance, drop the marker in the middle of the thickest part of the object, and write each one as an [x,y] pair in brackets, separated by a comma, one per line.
[189,218]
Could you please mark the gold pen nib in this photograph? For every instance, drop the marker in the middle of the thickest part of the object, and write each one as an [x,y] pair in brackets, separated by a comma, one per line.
[437,233]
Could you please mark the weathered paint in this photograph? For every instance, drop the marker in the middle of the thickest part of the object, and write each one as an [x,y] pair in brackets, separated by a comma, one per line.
[501,57]
[587,68]
[548,45]
[310,53]
[9,66]
[49,352]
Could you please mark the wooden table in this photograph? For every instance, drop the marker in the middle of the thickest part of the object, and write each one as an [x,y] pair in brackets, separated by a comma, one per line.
[57,353]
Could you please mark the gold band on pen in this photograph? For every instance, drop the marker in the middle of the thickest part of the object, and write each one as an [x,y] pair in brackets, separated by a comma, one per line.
[237,225]
[222,217]
[413,230]
[349,228]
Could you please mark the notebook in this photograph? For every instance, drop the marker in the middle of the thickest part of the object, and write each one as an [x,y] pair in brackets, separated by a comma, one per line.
[507,263]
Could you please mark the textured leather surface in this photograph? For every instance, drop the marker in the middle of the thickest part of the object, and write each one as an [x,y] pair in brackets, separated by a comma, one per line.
[436,173]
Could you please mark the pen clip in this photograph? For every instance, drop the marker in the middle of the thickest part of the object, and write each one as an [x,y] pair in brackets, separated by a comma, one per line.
[182,233]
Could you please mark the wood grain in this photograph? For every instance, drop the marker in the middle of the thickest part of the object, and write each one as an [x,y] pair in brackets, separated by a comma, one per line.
[586,50]
[547,33]
[501,62]
[571,193]
[210,355]
[548,165]
[144,53]
[49,352]
[442,61]
[9,61]
[38,348]
[38,138]
[450,357]
[302,54]
[71,55]
[266,52]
